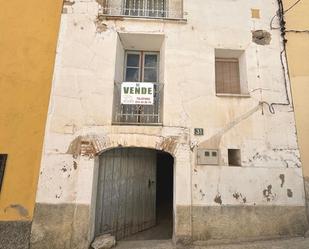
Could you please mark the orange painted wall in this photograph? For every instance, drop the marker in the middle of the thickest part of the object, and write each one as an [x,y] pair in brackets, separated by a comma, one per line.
[298,58]
[28,38]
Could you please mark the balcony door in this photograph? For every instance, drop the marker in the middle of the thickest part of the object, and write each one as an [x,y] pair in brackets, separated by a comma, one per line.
[142,67]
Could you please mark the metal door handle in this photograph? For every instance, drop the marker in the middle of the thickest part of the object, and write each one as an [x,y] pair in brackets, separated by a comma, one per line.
[150,182]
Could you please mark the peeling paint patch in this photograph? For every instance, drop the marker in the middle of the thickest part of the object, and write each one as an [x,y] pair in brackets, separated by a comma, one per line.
[261,37]
[89,145]
[102,3]
[218,199]
[289,193]
[87,148]
[288,158]
[67,4]
[168,144]
[64,169]
[202,194]
[100,25]
[268,193]
[240,197]
[260,157]
[282,178]
[19,208]
[236,195]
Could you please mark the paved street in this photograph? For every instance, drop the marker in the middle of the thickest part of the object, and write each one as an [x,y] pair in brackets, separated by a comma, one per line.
[295,243]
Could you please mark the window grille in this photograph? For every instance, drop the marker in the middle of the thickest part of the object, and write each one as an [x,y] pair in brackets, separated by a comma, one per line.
[143,8]
[147,8]
[139,67]
[138,114]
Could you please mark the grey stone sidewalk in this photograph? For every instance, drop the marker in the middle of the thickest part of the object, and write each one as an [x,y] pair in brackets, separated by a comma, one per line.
[295,243]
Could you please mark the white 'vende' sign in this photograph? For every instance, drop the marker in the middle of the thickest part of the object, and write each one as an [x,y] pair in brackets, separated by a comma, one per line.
[137,93]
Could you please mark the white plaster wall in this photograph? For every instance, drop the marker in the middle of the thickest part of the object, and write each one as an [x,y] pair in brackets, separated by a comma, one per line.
[246,186]
[82,99]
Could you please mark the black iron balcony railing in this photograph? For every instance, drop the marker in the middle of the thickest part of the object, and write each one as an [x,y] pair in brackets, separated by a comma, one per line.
[138,114]
[141,8]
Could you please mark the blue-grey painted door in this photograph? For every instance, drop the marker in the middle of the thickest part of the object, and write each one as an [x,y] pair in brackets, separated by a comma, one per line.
[126,197]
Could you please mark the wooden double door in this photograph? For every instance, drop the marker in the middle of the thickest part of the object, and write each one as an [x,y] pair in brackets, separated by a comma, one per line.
[126,195]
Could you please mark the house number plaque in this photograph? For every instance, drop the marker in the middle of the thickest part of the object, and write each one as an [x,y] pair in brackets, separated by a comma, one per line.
[198,131]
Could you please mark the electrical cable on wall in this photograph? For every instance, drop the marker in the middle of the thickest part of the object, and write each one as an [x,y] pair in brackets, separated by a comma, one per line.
[297,31]
[283,55]
[292,6]
[294,30]
[284,11]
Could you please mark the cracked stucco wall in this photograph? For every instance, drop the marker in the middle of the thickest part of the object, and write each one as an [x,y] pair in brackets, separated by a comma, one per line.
[80,112]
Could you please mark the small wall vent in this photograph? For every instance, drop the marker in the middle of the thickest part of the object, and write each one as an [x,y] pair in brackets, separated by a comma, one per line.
[234,157]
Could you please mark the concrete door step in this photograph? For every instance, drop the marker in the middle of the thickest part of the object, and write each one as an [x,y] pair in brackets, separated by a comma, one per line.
[145,244]
[292,243]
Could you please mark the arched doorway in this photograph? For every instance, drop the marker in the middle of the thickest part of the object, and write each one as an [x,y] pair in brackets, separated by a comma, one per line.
[135,194]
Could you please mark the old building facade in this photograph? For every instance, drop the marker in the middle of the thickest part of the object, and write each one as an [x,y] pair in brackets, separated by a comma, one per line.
[196,87]
[28,41]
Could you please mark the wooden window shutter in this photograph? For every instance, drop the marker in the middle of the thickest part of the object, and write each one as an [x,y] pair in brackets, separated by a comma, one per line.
[227,76]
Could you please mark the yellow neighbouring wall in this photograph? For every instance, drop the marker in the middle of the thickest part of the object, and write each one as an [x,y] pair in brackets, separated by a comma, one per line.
[28,38]
[298,58]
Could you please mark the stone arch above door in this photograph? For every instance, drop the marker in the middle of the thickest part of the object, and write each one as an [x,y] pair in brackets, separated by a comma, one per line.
[92,145]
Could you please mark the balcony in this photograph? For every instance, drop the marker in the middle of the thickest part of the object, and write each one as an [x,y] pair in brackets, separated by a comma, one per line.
[138,114]
[154,9]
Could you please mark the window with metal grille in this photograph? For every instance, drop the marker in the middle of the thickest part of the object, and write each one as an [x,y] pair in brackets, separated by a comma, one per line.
[140,66]
[3,158]
[227,76]
[148,8]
